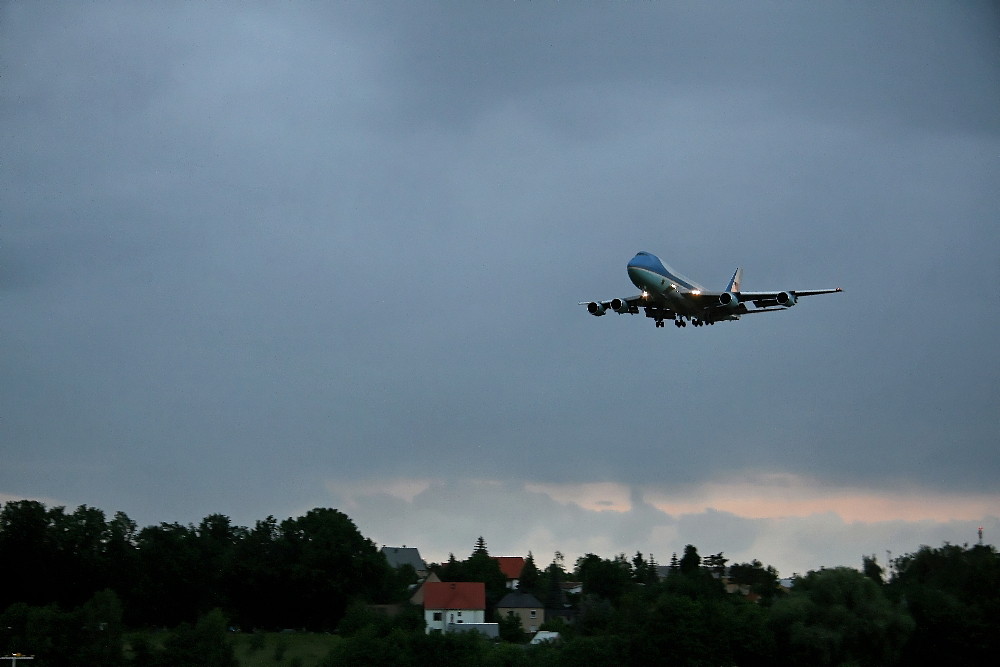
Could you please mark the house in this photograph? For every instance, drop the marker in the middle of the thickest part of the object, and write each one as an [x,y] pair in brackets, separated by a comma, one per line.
[447,602]
[418,596]
[524,606]
[511,566]
[399,556]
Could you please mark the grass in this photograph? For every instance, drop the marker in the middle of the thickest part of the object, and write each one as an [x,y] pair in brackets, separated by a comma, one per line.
[287,649]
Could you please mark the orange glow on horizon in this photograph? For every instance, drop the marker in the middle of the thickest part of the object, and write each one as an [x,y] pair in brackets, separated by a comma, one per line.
[760,497]
[781,496]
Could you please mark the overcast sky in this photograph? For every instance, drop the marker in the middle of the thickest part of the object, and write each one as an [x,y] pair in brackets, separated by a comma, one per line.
[259,258]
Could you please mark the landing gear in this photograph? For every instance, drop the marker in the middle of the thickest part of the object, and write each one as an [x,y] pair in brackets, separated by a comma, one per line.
[681,322]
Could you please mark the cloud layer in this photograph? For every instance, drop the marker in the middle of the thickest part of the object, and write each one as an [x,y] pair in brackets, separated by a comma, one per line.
[786,523]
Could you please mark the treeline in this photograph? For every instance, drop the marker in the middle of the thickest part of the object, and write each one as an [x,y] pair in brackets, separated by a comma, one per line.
[936,606]
[299,573]
[72,582]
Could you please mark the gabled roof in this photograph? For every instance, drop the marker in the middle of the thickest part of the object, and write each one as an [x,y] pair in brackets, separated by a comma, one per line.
[511,566]
[399,556]
[454,595]
[518,600]
[418,597]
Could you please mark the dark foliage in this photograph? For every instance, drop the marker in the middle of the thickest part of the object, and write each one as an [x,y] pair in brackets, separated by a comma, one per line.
[302,573]
[953,595]
[90,634]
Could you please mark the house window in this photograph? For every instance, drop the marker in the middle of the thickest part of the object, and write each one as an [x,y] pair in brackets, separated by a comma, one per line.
[437,616]
[534,613]
[460,614]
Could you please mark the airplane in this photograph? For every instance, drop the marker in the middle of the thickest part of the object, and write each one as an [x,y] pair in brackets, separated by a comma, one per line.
[668,295]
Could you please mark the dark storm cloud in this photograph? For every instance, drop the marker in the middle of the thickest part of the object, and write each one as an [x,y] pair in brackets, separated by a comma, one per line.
[249,250]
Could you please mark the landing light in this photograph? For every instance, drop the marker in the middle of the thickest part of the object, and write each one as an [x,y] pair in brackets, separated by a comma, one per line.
[696,292]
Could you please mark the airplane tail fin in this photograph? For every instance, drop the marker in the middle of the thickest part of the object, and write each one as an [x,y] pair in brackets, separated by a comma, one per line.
[734,282]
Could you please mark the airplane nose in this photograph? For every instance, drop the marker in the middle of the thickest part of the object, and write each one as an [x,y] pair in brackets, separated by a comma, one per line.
[633,274]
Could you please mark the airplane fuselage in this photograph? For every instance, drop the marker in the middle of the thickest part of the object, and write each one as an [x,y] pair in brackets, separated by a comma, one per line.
[659,282]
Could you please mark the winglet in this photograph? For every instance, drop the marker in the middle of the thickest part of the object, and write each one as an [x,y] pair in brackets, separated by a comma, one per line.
[734,282]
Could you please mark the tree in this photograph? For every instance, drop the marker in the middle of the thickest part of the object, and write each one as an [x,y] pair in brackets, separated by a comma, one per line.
[89,634]
[78,541]
[216,540]
[690,579]
[872,569]
[452,570]
[331,563]
[761,580]
[510,628]
[169,586]
[120,555]
[27,553]
[549,591]
[205,644]
[481,567]
[260,571]
[480,548]
[530,576]
[608,579]
[678,630]
[716,564]
[596,615]
[690,561]
[100,623]
[641,569]
[953,594]
[652,570]
[839,616]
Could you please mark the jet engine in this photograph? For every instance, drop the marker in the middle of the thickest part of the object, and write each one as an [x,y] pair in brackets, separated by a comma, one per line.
[786,299]
[729,300]
[620,306]
[596,309]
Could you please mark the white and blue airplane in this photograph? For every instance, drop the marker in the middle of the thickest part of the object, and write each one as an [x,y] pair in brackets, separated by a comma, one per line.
[668,295]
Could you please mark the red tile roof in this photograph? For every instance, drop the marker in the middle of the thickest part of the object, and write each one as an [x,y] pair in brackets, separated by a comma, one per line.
[511,566]
[454,595]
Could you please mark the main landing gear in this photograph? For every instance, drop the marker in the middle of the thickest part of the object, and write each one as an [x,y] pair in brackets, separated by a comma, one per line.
[681,322]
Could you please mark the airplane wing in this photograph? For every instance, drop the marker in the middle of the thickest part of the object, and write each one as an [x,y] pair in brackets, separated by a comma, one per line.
[783,299]
[764,302]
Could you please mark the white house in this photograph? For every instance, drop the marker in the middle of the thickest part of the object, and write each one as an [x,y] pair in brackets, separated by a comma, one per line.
[447,602]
